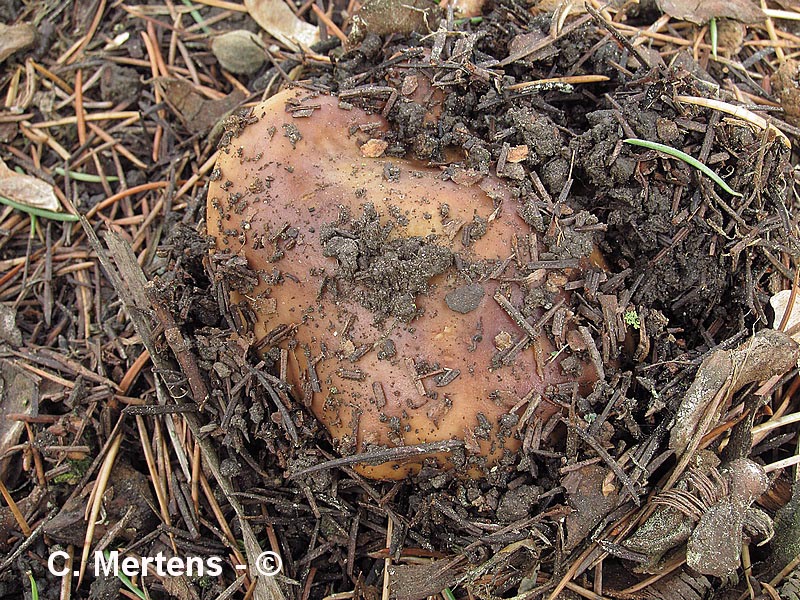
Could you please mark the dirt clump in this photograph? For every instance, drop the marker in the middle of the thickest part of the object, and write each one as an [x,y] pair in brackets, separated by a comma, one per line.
[383,275]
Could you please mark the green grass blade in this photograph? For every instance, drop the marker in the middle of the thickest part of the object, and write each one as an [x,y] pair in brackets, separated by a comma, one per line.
[125,580]
[40,212]
[198,18]
[34,587]
[84,177]
[689,160]
[472,20]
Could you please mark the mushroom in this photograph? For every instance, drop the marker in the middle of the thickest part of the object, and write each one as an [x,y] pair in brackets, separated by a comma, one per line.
[401,289]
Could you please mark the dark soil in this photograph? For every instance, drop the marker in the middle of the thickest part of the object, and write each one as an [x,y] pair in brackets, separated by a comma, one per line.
[394,272]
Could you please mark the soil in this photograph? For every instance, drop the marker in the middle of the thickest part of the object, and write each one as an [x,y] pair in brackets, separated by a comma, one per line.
[672,269]
[391,272]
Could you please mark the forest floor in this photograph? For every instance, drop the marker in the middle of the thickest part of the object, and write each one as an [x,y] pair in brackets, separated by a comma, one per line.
[137,415]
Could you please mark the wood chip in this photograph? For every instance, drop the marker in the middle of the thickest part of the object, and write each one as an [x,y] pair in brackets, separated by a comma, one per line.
[517,154]
[374,148]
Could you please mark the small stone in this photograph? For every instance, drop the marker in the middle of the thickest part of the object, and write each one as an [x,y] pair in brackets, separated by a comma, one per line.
[222,370]
[9,332]
[239,51]
[517,503]
[466,177]
[230,467]
[465,299]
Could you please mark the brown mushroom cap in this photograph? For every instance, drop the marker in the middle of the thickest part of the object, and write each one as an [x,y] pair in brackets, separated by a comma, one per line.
[303,191]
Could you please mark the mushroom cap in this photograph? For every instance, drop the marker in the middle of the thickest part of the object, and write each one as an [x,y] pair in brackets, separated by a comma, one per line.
[386,272]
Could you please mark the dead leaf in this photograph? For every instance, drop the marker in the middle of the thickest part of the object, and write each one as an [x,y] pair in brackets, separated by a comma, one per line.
[128,497]
[785,86]
[415,582]
[702,11]
[277,19]
[589,500]
[373,148]
[19,394]
[239,51]
[198,113]
[722,374]
[14,38]
[779,303]
[383,17]
[27,190]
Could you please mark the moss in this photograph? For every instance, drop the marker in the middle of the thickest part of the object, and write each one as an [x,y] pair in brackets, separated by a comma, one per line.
[76,471]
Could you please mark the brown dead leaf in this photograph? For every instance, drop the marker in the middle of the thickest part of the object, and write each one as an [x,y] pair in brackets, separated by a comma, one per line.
[27,190]
[415,582]
[277,19]
[198,113]
[14,38]
[702,11]
[786,86]
[588,499]
[19,394]
[374,148]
